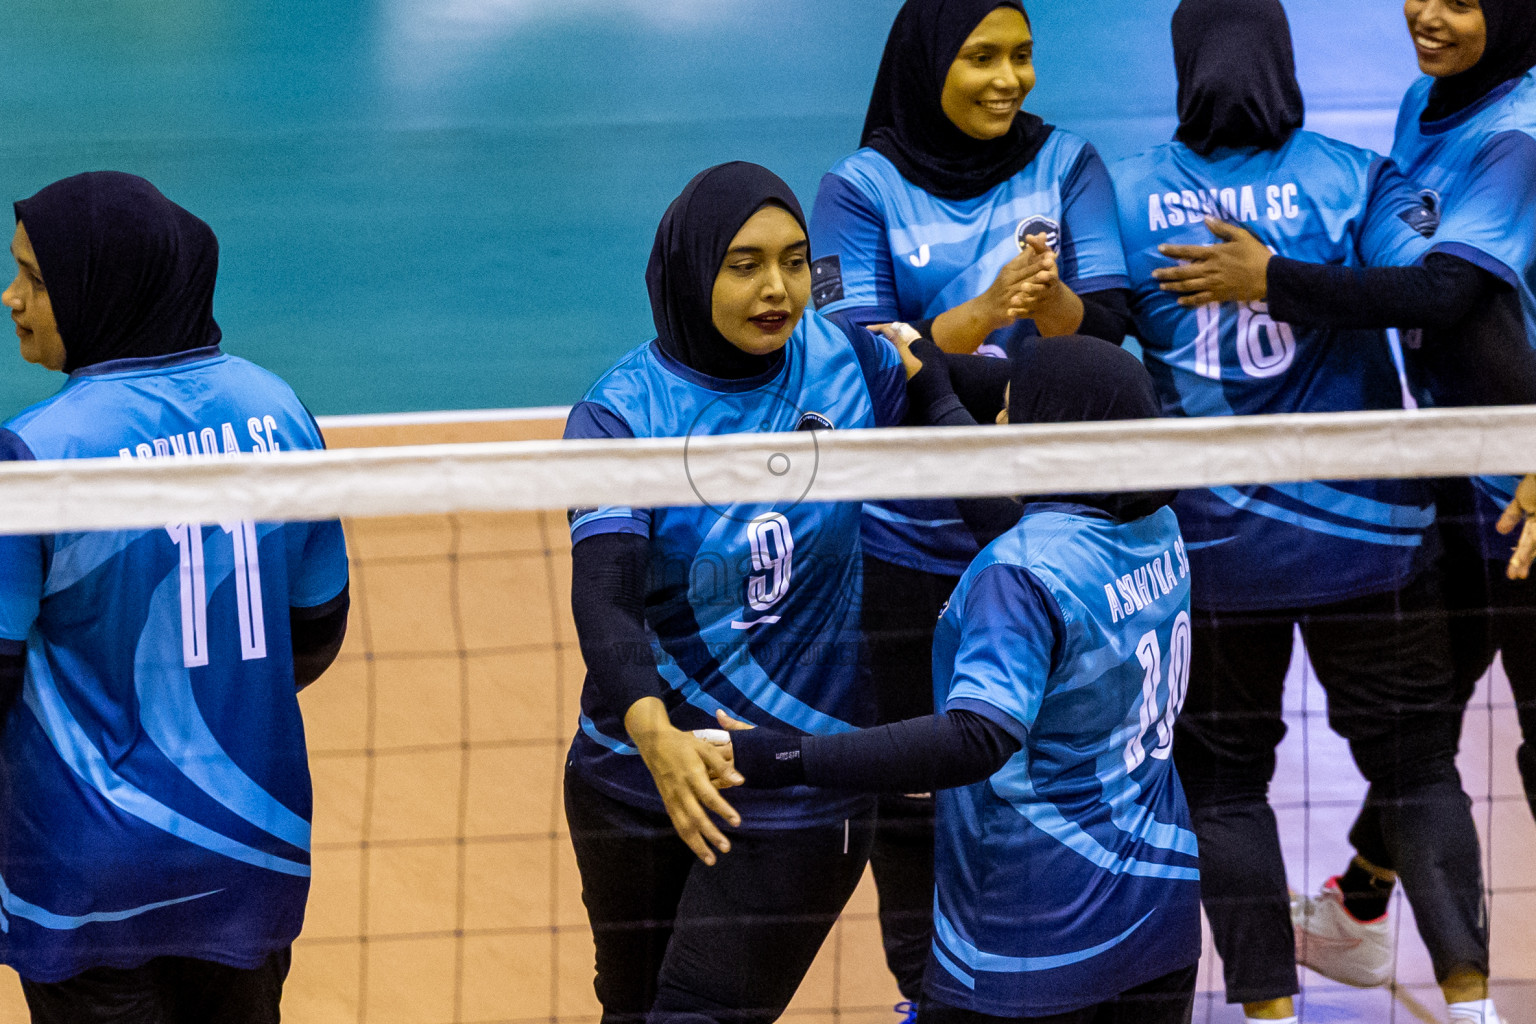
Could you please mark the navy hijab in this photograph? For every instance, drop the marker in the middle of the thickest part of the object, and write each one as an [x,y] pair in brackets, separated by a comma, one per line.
[906,122]
[1077,379]
[1510,53]
[1237,75]
[130,273]
[690,246]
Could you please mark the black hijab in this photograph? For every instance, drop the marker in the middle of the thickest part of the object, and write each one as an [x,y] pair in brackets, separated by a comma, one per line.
[906,122]
[690,246]
[1077,379]
[1237,74]
[130,273]
[1510,53]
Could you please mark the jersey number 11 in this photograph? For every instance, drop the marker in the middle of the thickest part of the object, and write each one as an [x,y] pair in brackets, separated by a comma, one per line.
[194,587]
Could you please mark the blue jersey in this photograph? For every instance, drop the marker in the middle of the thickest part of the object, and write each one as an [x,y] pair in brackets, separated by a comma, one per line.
[1478,168]
[753,608]
[1071,874]
[154,786]
[886,250]
[1317,200]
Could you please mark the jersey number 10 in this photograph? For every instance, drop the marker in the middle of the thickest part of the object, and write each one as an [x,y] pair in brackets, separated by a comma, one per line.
[188,538]
[1150,656]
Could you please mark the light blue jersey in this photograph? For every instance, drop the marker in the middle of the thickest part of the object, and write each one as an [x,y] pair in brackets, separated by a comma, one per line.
[887,250]
[1320,201]
[1071,874]
[753,608]
[1478,168]
[154,786]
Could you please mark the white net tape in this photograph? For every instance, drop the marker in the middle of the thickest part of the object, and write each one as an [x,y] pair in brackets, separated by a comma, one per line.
[835,465]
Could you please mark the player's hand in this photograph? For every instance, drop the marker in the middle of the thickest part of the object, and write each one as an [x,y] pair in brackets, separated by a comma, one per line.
[681,765]
[965,327]
[1522,509]
[902,336]
[1237,270]
[998,301]
[730,724]
[1040,288]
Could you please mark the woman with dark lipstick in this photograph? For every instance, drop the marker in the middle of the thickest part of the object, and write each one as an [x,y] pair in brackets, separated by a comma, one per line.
[980,224]
[750,608]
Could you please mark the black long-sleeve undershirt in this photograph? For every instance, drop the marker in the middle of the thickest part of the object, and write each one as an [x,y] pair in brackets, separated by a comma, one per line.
[1107,315]
[13,668]
[932,401]
[608,580]
[317,634]
[1435,295]
[919,755]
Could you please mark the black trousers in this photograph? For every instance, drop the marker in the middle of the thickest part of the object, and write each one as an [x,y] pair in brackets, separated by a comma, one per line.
[167,990]
[901,607]
[1385,663]
[680,941]
[1489,614]
[1166,1000]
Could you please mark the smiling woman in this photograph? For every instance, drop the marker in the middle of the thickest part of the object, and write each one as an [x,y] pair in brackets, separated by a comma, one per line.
[991,75]
[981,225]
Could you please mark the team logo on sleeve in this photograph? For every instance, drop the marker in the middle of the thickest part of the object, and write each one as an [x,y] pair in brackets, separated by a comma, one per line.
[813,421]
[827,280]
[1424,218]
[1039,226]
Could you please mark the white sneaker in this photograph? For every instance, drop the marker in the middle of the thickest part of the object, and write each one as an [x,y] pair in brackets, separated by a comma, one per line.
[1334,944]
[1479,1011]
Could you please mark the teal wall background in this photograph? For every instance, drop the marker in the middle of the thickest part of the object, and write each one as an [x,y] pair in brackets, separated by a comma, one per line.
[439,204]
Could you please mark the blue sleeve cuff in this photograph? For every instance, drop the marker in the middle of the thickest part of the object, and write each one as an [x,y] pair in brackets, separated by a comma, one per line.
[1478,258]
[992,713]
[1103,283]
[13,448]
[595,524]
[589,421]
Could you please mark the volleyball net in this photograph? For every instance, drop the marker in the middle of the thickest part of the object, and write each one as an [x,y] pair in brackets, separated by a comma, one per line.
[444,886]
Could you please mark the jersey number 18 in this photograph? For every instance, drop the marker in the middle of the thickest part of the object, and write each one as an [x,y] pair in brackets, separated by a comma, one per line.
[1265,347]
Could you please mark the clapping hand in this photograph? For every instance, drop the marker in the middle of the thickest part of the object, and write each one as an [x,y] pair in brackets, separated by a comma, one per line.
[1039,278]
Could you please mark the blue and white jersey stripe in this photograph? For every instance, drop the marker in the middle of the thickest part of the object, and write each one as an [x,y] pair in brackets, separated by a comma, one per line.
[1317,200]
[1071,874]
[154,785]
[886,250]
[751,608]
[1478,167]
